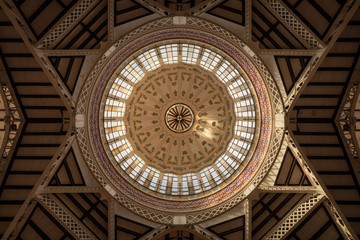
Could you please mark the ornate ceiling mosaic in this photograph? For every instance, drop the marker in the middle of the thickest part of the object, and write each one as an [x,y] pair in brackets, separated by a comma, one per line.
[179,118]
[174,74]
[164,144]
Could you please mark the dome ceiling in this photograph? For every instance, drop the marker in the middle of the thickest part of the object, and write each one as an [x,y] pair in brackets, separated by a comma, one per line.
[140,83]
[154,119]
[163,85]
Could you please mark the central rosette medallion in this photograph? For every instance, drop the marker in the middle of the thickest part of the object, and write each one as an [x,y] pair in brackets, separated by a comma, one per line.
[179,118]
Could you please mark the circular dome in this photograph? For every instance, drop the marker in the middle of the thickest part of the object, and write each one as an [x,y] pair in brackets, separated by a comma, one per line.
[155,108]
[184,126]
[145,153]
[157,169]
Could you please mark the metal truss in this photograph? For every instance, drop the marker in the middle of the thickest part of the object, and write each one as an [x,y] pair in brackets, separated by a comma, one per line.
[289,19]
[65,217]
[294,217]
[316,194]
[300,85]
[62,28]
[347,120]
[204,232]
[43,62]
[157,8]
[155,232]
[12,121]
[204,7]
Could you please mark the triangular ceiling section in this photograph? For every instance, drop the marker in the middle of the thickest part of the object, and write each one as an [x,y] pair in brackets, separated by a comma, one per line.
[290,173]
[291,68]
[270,32]
[88,209]
[233,229]
[286,172]
[42,225]
[89,31]
[318,224]
[68,173]
[127,11]
[271,208]
[129,229]
[36,14]
[68,68]
[231,10]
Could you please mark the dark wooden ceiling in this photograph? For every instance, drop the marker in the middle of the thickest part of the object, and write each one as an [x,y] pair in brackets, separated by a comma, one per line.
[47,127]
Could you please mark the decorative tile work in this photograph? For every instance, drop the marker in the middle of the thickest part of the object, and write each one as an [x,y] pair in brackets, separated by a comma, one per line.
[226,192]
